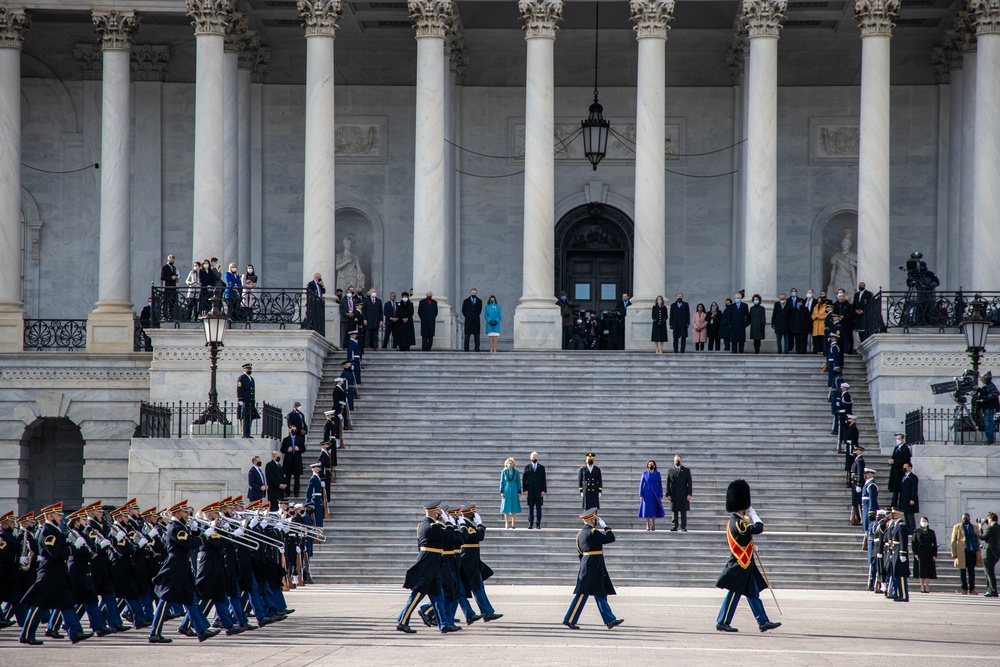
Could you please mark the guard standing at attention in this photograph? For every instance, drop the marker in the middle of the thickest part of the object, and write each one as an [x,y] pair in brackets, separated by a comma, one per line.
[314,493]
[740,575]
[591,484]
[900,558]
[593,578]
[246,399]
[424,576]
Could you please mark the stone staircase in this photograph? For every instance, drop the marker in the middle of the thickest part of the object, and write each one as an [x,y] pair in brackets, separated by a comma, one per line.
[439,425]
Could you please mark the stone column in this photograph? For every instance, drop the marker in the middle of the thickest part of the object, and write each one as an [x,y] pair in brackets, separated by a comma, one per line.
[258,72]
[13,25]
[236,30]
[110,326]
[319,252]
[875,19]
[953,53]
[249,46]
[737,58]
[431,267]
[966,26]
[651,18]
[986,202]
[760,255]
[537,323]
[208,230]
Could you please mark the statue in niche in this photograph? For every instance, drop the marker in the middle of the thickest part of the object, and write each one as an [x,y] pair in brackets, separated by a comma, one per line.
[349,268]
[843,268]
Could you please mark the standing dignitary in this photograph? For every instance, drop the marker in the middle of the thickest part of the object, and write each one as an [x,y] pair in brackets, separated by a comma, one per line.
[925,551]
[403,335]
[801,319]
[991,539]
[900,454]
[428,312]
[740,576]
[781,324]
[389,318]
[347,303]
[472,310]
[170,278]
[315,310]
[965,551]
[661,316]
[679,492]
[256,482]
[292,446]
[275,478]
[297,419]
[592,578]
[650,495]
[246,399]
[909,496]
[591,484]
[52,590]
[373,315]
[737,318]
[533,485]
[314,493]
[861,299]
[680,321]
[424,577]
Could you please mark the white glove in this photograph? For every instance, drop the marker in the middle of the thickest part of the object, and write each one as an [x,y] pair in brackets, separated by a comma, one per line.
[143,542]
[322,485]
[209,531]
[239,532]
[902,559]
[298,550]
[79,542]
[241,403]
[753,515]
[25,561]
[119,534]
[476,518]
[254,522]
[600,523]
[857,489]
[105,543]
[581,494]
[155,532]
[281,550]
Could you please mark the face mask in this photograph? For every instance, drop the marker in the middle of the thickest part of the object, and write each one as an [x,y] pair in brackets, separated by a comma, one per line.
[204,266]
[861,288]
[257,464]
[562,298]
[756,302]
[350,293]
[650,467]
[794,294]
[659,301]
[738,300]
[405,299]
[374,295]
[534,460]
[677,464]
[249,270]
[965,521]
[509,466]
[924,524]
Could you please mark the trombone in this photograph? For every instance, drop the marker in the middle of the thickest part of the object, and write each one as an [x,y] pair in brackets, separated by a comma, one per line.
[241,540]
[231,524]
[298,529]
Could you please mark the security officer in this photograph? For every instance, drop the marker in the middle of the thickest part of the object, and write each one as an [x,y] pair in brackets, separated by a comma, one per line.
[314,493]
[592,578]
[740,574]
[591,484]
[246,399]
[424,576]
[900,558]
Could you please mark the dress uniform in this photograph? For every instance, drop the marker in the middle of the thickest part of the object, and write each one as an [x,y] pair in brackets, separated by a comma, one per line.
[450,581]
[314,493]
[11,582]
[354,354]
[81,572]
[740,575]
[869,497]
[246,399]
[424,576]
[900,558]
[349,384]
[856,478]
[876,536]
[591,484]
[472,570]
[328,463]
[592,578]
[101,567]
[52,592]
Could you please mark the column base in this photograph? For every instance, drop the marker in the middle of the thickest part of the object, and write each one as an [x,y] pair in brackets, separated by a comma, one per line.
[639,326]
[331,313]
[111,328]
[11,328]
[537,325]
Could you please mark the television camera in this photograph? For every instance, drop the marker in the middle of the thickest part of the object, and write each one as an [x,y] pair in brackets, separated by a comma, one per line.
[959,388]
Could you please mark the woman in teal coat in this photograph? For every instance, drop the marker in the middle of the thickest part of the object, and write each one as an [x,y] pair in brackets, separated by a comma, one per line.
[510,493]
[493,317]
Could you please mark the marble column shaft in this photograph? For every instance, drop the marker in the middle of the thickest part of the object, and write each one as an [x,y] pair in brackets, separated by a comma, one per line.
[986,212]
[231,148]
[319,224]
[968,243]
[243,168]
[13,25]
[956,84]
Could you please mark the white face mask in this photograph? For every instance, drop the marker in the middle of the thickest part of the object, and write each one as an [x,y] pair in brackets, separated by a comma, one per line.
[374,295]
[924,524]
[405,299]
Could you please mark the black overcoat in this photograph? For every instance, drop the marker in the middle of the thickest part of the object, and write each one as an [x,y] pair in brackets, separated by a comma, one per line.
[591,486]
[52,588]
[593,578]
[175,580]
[679,488]
[742,576]
[533,483]
[424,576]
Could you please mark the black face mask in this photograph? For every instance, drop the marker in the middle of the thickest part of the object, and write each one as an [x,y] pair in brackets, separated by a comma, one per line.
[534,460]
[257,464]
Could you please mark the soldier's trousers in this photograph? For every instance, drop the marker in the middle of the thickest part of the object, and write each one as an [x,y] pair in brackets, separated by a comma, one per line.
[732,600]
[901,588]
[194,617]
[580,601]
[109,607]
[94,615]
[36,614]
[443,618]
[485,608]
[15,611]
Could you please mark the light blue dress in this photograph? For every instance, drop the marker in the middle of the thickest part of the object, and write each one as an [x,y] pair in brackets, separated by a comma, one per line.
[510,486]
[492,314]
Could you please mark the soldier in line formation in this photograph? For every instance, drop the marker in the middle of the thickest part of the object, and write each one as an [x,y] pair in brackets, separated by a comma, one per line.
[115,563]
[888,546]
[448,570]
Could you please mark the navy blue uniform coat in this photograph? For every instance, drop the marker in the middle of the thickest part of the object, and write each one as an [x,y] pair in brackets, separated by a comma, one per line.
[593,578]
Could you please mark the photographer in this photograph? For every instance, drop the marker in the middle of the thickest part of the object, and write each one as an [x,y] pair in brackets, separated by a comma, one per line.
[990,533]
[989,401]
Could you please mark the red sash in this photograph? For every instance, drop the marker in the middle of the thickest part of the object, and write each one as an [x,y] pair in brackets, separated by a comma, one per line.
[744,555]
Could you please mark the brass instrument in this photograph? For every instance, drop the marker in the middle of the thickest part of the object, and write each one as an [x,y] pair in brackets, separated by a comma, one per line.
[242,540]
[297,529]
[232,524]
[26,552]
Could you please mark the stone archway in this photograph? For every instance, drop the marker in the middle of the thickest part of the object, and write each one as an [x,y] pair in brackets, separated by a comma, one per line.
[55,462]
[835,225]
[594,249]
[362,224]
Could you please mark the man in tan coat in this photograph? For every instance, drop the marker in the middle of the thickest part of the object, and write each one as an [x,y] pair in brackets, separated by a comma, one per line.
[965,551]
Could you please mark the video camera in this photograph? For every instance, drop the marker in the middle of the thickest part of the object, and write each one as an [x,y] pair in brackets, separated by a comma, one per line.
[913,267]
[959,388]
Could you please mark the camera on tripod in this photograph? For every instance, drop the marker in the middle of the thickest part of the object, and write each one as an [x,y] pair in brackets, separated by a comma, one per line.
[913,267]
[959,388]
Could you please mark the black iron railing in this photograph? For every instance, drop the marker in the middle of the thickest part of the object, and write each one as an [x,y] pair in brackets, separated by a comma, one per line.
[943,426]
[141,342]
[928,309]
[179,420]
[280,307]
[55,334]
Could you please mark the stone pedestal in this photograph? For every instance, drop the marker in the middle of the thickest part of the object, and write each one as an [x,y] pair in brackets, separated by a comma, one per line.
[110,329]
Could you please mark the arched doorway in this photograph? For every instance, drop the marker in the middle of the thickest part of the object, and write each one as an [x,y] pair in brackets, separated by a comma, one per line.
[55,462]
[594,256]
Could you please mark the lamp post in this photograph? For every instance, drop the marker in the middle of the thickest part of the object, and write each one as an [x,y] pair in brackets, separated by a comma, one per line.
[976,328]
[215,330]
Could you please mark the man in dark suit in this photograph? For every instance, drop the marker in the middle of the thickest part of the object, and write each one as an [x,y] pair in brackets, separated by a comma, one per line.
[737,316]
[844,308]
[372,317]
[315,310]
[861,300]
[909,496]
[617,328]
[275,478]
[801,321]
[472,311]
[427,311]
[680,320]
[292,446]
[389,318]
[679,492]
[246,399]
[169,278]
[533,486]
[347,304]
[256,482]
[297,419]
[782,327]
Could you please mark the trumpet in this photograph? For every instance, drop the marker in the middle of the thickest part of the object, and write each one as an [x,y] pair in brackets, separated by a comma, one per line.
[261,539]
[241,540]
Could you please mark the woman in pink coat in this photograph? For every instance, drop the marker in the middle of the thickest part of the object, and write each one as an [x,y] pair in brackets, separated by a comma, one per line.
[699,323]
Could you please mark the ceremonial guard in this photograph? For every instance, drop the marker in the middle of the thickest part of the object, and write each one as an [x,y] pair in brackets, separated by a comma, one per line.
[123,573]
[424,576]
[869,497]
[900,454]
[81,573]
[871,542]
[101,566]
[350,382]
[900,558]
[592,578]
[328,465]
[856,477]
[472,570]
[12,546]
[354,354]
[340,398]
[52,590]
[845,406]
[591,484]
[449,572]
[314,493]
[740,576]
[246,399]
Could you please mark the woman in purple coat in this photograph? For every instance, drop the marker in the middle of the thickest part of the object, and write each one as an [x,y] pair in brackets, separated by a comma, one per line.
[651,494]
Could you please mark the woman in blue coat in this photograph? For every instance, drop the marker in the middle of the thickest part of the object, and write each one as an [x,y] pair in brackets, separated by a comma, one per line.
[651,494]
[493,317]
[510,493]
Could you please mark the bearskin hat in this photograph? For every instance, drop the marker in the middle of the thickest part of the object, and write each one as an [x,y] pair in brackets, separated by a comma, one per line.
[737,496]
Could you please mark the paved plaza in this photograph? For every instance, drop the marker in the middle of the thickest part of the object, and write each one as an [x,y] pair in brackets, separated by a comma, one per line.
[354,625]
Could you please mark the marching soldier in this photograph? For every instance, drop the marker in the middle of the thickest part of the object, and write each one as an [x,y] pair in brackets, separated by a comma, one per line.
[450,579]
[473,570]
[101,566]
[592,579]
[591,484]
[740,575]
[81,573]
[424,577]
[123,573]
[12,546]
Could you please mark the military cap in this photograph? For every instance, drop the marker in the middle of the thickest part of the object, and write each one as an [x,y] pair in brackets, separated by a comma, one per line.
[852,417]
[30,516]
[589,514]
[330,413]
[869,471]
[591,455]
[455,511]
[78,514]
[316,465]
[182,506]
[248,365]
[737,496]
[469,509]
[845,384]
[880,513]
[352,332]
[9,516]
[238,500]
[150,512]
[346,362]
[857,447]
[298,506]
[339,380]
[54,507]
[92,507]
[432,505]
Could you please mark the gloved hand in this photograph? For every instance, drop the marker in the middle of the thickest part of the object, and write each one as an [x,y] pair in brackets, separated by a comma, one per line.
[154,532]
[263,523]
[298,550]
[599,494]
[239,532]
[209,531]
[105,543]
[752,513]
[120,534]
[600,523]
[25,561]
[143,541]
[254,522]
[281,550]
[476,518]
[79,542]
[902,559]
[581,494]
[857,489]
[241,404]
[322,485]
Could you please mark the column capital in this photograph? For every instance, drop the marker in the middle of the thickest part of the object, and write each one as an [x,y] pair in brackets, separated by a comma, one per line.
[116,28]
[964,30]
[454,41]
[540,17]
[249,48]
[764,17]
[737,53]
[430,17]
[236,31]
[209,17]
[987,16]
[258,69]
[651,17]
[149,61]
[876,17]
[321,17]
[13,24]
[91,60]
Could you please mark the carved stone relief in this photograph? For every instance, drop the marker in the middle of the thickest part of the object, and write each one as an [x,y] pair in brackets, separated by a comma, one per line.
[834,140]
